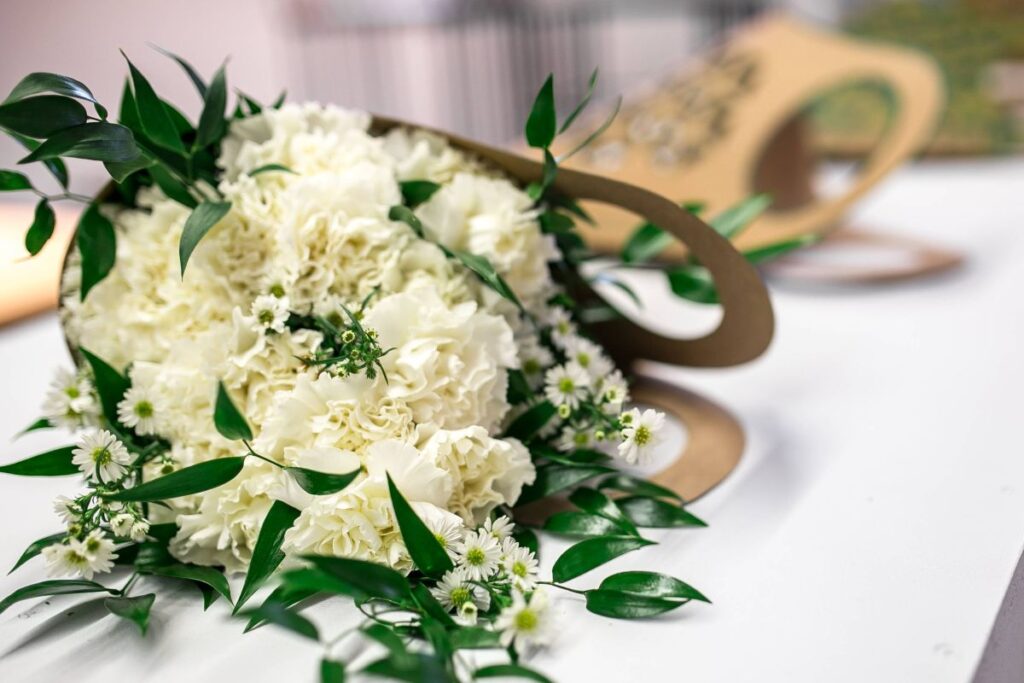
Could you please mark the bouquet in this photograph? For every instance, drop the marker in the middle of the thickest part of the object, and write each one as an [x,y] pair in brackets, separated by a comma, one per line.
[331,354]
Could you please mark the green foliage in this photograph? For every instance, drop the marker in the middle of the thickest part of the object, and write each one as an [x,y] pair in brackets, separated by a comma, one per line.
[36,547]
[111,385]
[321,483]
[593,552]
[194,479]
[230,423]
[415,192]
[541,124]
[55,463]
[651,512]
[52,587]
[97,244]
[199,222]
[207,576]
[526,426]
[267,554]
[41,230]
[134,609]
[426,552]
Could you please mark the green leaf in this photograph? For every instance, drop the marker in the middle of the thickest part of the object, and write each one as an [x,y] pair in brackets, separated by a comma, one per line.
[548,173]
[199,222]
[195,479]
[54,587]
[119,170]
[554,478]
[733,220]
[542,123]
[153,115]
[415,668]
[41,117]
[41,230]
[652,584]
[278,614]
[573,523]
[269,168]
[475,638]
[36,547]
[97,243]
[651,512]
[55,463]
[426,552]
[56,167]
[772,251]
[146,555]
[596,134]
[618,605]
[519,390]
[591,553]
[646,242]
[693,283]
[12,180]
[111,385]
[555,222]
[172,187]
[430,606]
[591,84]
[366,577]
[285,595]
[415,192]
[188,572]
[526,426]
[628,484]
[386,637]
[212,124]
[525,537]
[42,82]
[510,670]
[605,278]
[267,554]
[321,483]
[189,70]
[41,423]
[309,580]
[227,419]
[331,671]
[405,215]
[596,503]
[486,272]
[99,141]
[135,609]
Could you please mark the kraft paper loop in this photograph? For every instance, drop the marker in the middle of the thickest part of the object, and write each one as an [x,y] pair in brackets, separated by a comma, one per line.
[747,322]
[710,132]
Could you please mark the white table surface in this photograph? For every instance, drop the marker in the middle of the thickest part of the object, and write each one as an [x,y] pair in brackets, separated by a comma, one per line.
[869,534]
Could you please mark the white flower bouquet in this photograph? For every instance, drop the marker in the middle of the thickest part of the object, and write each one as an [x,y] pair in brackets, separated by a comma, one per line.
[331,353]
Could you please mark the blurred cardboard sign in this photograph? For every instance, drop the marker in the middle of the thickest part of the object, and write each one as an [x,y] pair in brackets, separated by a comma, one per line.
[731,127]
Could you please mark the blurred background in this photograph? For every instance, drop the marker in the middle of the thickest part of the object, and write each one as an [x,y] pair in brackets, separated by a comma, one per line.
[473,66]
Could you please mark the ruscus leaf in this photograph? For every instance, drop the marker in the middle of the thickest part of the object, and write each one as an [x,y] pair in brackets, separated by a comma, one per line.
[211,122]
[618,605]
[134,609]
[41,230]
[510,670]
[415,192]
[542,123]
[285,617]
[97,243]
[11,181]
[36,547]
[267,554]
[321,483]
[426,552]
[367,577]
[42,116]
[652,584]
[53,587]
[99,141]
[194,479]
[153,115]
[199,222]
[42,82]
[229,422]
[593,552]
[111,385]
[55,463]
[652,512]
[188,572]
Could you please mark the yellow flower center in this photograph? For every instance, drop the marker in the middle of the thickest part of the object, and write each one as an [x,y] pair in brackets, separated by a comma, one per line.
[583,359]
[266,317]
[459,596]
[276,290]
[144,409]
[519,569]
[475,557]
[642,435]
[101,456]
[566,385]
[531,366]
[526,620]
[72,392]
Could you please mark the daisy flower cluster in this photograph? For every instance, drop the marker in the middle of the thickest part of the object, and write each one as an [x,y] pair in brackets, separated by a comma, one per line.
[496,576]
[590,396]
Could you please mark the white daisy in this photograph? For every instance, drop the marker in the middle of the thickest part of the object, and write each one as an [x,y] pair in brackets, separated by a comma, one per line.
[454,590]
[572,439]
[589,356]
[479,553]
[140,528]
[447,529]
[67,509]
[566,384]
[562,326]
[521,567]
[121,524]
[65,559]
[271,312]
[101,455]
[99,554]
[139,410]
[467,613]
[70,402]
[500,527]
[534,359]
[525,622]
[640,434]
[614,392]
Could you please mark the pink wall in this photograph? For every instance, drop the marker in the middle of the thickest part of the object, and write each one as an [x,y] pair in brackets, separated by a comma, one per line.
[81,38]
